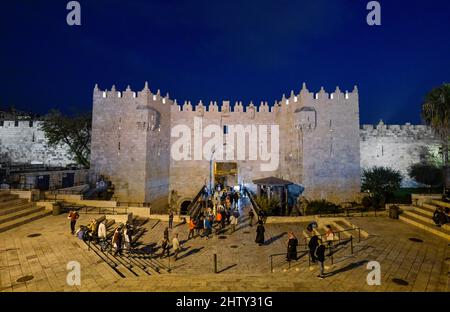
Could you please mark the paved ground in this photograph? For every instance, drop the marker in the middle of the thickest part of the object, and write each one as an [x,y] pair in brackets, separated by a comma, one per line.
[242,265]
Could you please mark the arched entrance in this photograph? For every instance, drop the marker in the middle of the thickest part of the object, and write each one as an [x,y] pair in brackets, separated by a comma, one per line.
[184,207]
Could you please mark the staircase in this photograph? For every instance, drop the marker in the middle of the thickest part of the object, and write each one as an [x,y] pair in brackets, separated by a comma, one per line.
[421,217]
[15,211]
[131,264]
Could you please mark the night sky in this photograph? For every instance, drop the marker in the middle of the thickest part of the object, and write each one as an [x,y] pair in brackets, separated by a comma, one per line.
[225,50]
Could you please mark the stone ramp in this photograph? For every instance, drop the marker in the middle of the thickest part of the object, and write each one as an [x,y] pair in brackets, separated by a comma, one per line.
[421,217]
[15,211]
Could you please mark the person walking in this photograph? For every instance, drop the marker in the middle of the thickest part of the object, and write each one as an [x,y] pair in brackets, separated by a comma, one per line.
[207,226]
[292,247]
[191,228]
[260,234]
[199,225]
[166,233]
[126,238]
[236,199]
[73,217]
[176,245]
[233,222]
[312,245]
[329,236]
[320,255]
[171,219]
[117,241]
[165,246]
[101,234]
[251,214]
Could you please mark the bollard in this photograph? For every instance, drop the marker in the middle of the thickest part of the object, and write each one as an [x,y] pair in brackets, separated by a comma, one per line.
[215,263]
[351,244]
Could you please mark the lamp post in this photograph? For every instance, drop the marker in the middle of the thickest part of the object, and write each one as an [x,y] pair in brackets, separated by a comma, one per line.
[210,171]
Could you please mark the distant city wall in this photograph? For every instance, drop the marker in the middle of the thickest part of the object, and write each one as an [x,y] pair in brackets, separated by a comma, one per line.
[396,146]
[23,142]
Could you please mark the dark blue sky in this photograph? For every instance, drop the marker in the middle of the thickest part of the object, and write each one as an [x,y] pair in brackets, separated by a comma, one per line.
[236,50]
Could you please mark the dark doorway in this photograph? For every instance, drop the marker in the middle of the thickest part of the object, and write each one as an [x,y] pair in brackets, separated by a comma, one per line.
[43,182]
[184,207]
[68,179]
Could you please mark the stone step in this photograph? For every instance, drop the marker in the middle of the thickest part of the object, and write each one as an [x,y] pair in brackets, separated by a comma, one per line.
[429,206]
[30,209]
[215,282]
[440,203]
[425,226]
[425,218]
[419,215]
[341,226]
[426,210]
[7,196]
[12,209]
[10,202]
[23,220]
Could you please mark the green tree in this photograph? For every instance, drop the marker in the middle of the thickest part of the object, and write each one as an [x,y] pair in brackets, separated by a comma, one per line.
[427,174]
[73,131]
[381,182]
[436,113]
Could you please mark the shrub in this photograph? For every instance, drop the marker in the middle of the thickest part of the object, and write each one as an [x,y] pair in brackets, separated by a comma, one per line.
[381,182]
[321,207]
[427,174]
[271,207]
[366,202]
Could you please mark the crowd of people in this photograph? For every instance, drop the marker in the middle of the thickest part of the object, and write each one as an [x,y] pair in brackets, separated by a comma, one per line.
[219,210]
[219,213]
[96,232]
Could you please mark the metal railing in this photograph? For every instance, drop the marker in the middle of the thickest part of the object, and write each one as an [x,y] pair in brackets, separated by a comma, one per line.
[347,211]
[338,234]
[195,207]
[307,251]
[94,210]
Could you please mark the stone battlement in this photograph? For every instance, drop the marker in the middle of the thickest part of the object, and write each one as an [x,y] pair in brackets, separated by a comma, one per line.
[19,124]
[238,107]
[406,130]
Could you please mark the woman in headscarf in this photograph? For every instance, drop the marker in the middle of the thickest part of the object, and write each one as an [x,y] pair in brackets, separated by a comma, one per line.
[260,234]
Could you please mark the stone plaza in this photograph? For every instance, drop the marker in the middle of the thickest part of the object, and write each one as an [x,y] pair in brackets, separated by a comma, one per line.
[410,259]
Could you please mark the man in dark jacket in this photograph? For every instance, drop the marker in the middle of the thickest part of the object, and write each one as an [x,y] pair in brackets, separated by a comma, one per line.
[320,255]
[292,247]
[312,245]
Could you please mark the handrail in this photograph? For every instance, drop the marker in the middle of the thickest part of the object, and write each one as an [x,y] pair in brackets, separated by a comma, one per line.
[339,232]
[256,209]
[195,206]
[331,253]
[194,201]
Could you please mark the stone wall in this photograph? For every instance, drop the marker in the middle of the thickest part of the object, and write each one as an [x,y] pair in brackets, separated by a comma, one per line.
[24,142]
[396,146]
